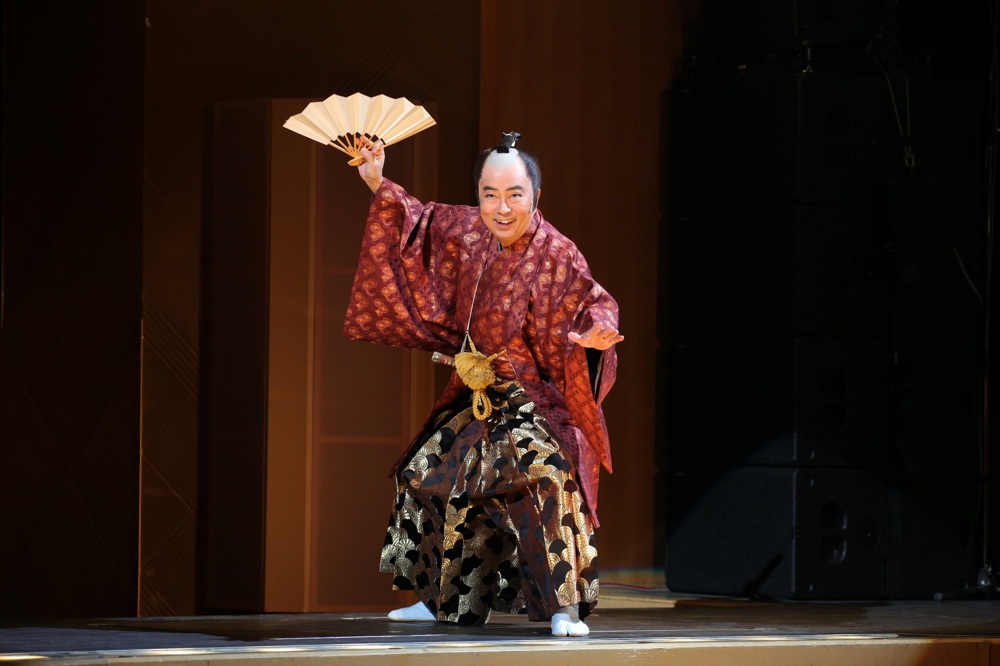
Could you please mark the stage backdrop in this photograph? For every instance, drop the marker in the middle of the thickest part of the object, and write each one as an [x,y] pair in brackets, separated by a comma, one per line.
[582,83]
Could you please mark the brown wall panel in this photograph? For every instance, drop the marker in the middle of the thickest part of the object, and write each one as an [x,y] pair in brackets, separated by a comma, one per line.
[375,407]
[289,363]
[352,500]
[234,390]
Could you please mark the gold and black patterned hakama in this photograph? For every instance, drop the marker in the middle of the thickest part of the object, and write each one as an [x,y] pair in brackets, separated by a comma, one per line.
[489,516]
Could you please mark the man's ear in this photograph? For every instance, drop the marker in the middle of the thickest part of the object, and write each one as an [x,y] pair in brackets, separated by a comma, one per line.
[538,195]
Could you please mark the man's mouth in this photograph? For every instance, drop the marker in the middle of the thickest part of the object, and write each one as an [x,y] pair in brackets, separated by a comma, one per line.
[503,223]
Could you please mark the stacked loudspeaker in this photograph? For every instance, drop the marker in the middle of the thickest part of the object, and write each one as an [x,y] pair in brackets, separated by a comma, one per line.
[823,375]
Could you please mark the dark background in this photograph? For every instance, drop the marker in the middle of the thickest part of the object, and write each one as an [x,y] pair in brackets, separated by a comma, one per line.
[828,291]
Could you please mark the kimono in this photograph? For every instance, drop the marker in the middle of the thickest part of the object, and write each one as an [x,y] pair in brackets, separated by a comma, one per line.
[496,513]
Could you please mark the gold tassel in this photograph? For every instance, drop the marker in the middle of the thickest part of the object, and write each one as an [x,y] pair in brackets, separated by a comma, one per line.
[476,371]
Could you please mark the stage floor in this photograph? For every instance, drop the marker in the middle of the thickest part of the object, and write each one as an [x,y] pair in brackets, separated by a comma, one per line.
[644,627]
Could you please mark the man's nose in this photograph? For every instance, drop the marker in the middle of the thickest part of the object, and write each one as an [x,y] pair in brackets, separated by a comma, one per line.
[503,205]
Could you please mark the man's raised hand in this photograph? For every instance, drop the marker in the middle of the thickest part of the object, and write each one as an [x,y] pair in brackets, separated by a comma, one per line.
[371,169]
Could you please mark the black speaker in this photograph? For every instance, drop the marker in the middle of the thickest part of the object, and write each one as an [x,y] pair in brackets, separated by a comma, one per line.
[822,384]
[905,405]
[778,401]
[936,262]
[780,532]
[933,412]
[801,138]
[779,271]
[934,533]
[796,533]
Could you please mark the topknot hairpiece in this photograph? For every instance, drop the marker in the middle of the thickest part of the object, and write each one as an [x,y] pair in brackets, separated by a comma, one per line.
[508,141]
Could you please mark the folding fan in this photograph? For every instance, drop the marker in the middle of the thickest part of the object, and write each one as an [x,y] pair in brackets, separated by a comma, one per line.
[343,122]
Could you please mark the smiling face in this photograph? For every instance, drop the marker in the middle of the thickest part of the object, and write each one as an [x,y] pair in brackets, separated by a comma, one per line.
[506,201]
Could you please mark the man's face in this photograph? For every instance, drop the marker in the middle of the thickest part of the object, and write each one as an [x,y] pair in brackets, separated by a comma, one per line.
[506,202]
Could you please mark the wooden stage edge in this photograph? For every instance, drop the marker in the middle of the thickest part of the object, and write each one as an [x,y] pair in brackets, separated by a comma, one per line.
[817,651]
[653,627]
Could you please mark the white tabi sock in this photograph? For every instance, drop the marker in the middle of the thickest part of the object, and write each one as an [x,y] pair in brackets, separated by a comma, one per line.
[567,622]
[418,612]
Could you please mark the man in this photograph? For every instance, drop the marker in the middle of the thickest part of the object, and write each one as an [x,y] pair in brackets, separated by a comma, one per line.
[497,497]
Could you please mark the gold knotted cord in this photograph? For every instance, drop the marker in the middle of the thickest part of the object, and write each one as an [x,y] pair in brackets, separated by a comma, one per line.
[476,371]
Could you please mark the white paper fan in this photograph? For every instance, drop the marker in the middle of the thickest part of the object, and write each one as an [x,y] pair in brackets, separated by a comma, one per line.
[342,121]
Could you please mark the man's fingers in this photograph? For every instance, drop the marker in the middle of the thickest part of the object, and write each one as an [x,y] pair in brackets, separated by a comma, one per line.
[597,337]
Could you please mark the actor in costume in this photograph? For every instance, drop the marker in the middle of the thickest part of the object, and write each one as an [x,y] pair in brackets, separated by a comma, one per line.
[497,497]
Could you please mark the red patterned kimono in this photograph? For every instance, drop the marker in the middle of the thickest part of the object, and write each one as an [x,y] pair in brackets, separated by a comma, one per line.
[496,488]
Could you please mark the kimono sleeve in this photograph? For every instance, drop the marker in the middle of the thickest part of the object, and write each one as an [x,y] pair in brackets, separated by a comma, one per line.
[406,281]
[570,300]
[586,383]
